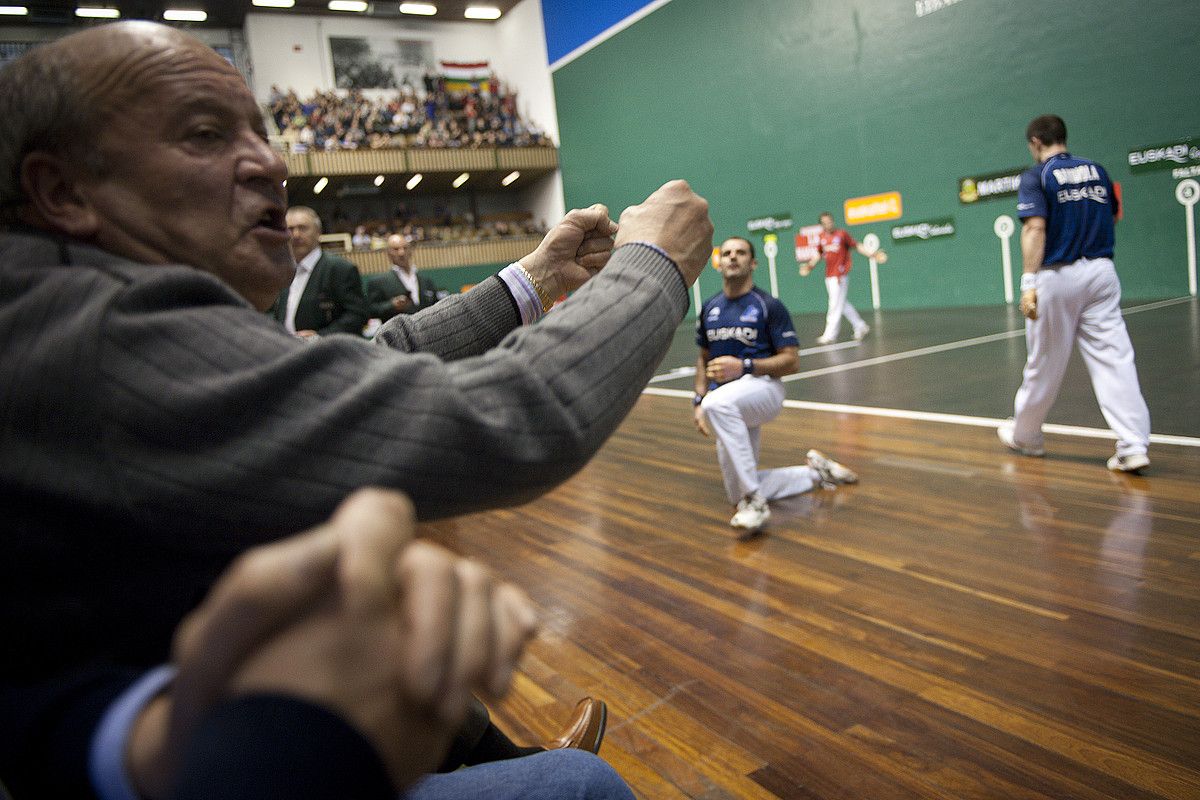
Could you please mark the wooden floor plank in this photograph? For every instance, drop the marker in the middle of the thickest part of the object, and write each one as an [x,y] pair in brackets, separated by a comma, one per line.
[963,623]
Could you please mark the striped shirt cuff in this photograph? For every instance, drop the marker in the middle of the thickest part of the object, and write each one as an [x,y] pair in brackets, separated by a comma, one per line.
[658,250]
[528,303]
[106,761]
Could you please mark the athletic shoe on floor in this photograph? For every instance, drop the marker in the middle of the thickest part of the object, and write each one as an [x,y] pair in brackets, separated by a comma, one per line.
[1005,432]
[861,333]
[832,473]
[1134,463]
[752,513]
[825,340]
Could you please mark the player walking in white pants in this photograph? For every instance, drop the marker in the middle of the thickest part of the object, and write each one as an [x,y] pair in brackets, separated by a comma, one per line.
[835,246]
[746,345]
[1070,294]
[839,306]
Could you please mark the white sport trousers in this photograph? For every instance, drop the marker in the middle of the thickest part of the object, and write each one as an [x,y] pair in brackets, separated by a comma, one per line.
[735,411]
[1080,303]
[839,306]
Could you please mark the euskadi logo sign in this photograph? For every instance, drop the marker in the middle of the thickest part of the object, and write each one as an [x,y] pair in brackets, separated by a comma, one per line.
[923,231]
[1180,153]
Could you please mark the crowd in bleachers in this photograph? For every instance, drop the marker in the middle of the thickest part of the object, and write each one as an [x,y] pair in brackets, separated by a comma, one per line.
[432,117]
[372,234]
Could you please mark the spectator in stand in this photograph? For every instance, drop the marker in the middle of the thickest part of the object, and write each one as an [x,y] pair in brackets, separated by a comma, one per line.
[325,295]
[400,290]
[361,240]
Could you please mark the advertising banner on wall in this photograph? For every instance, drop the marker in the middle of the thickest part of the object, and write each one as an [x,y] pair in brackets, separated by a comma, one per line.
[990,186]
[923,231]
[770,222]
[1172,156]
[873,208]
[807,239]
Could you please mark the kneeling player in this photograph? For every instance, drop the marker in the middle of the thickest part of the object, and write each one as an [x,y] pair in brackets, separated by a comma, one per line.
[746,345]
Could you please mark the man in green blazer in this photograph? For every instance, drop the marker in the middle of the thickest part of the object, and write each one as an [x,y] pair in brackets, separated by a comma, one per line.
[400,290]
[326,294]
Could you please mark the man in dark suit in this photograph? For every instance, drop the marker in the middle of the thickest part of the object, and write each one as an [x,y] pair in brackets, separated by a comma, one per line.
[400,290]
[326,293]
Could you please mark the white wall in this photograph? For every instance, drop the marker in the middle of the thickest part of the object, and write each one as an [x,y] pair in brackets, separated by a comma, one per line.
[522,61]
[293,51]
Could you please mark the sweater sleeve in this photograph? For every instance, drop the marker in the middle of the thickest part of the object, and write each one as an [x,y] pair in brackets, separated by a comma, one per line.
[210,408]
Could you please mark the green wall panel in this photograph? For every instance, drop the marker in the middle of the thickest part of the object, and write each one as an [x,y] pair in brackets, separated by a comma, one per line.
[787,105]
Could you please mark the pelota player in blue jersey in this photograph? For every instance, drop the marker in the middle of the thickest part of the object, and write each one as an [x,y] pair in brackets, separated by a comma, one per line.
[1070,294]
[746,345]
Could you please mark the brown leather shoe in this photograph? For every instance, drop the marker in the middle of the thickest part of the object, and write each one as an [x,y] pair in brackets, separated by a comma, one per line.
[585,731]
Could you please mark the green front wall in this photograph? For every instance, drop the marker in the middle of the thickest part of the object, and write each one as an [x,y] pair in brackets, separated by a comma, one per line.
[788,105]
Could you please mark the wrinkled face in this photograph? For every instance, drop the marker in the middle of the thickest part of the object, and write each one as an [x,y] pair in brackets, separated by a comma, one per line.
[397,249]
[190,178]
[305,233]
[735,259]
[826,223]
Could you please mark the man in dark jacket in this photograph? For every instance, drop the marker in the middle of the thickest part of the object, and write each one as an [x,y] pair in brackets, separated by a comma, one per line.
[400,290]
[325,295]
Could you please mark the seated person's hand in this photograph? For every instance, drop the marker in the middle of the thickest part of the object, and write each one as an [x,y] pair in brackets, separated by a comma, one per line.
[392,635]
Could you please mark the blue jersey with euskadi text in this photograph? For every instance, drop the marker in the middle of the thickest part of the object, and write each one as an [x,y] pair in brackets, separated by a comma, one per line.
[754,325]
[1076,198]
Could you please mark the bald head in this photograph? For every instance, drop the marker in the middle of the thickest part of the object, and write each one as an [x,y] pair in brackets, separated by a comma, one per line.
[398,254]
[59,96]
[140,140]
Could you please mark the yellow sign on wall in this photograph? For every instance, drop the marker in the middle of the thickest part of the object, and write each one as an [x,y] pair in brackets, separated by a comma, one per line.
[873,208]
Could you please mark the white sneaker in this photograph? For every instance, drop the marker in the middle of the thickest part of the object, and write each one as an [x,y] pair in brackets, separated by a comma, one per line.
[825,340]
[832,473]
[1133,463]
[1007,435]
[752,513]
[862,332]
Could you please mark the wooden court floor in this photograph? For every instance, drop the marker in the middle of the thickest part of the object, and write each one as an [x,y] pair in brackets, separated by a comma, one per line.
[963,623]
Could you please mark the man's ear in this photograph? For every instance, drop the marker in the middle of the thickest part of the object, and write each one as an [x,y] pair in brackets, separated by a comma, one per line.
[55,199]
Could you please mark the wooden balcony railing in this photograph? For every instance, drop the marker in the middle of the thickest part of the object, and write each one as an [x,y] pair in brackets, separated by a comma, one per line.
[440,255]
[387,161]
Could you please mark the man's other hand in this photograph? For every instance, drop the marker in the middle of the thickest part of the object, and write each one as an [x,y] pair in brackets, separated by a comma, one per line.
[1028,303]
[573,251]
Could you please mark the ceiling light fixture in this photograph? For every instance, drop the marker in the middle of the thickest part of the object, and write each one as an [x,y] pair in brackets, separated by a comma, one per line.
[413,181]
[482,12]
[321,184]
[461,179]
[420,9]
[93,12]
[13,11]
[185,15]
[355,6]
[379,180]
[275,3]
[510,177]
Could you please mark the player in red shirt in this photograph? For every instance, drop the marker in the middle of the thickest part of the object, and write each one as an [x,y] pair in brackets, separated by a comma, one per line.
[835,246]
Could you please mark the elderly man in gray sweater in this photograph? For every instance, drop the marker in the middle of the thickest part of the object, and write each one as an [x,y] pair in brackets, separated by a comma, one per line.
[155,424]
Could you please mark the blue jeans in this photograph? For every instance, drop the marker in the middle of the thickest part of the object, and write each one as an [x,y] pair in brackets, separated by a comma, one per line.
[553,775]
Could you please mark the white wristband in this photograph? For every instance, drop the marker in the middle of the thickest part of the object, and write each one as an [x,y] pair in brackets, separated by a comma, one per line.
[1028,281]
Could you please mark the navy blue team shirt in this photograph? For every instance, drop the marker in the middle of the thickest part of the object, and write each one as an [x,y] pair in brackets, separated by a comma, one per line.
[1076,198]
[754,325]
